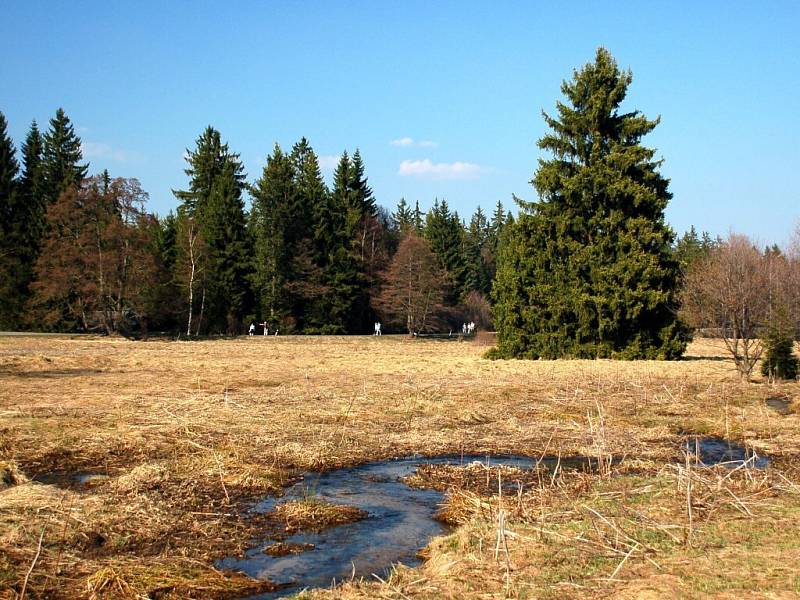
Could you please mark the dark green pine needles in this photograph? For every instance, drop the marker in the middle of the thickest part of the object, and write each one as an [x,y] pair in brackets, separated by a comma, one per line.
[587,271]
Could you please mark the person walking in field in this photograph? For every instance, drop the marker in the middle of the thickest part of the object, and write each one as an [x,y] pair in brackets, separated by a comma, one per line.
[378,328]
[265,325]
[252,329]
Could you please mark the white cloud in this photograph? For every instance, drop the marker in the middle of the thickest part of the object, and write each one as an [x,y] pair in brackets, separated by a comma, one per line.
[405,142]
[328,162]
[427,169]
[100,150]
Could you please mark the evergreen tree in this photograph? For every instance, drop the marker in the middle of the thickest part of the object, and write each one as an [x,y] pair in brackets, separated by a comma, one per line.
[497,222]
[206,163]
[61,156]
[165,295]
[225,230]
[362,193]
[477,276]
[311,190]
[214,204]
[33,203]
[494,233]
[274,199]
[444,233]
[691,247]
[779,361]
[9,256]
[588,270]
[418,220]
[343,273]
[403,217]
[308,253]
[9,169]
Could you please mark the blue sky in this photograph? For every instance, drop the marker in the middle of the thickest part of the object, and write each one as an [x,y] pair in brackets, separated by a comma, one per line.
[443,99]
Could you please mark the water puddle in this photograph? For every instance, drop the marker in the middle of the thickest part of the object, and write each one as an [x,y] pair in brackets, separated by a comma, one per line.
[711,451]
[71,480]
[782,405]
[399,524]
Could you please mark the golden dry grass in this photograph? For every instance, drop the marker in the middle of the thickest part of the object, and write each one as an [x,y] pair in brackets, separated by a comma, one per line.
[189,435]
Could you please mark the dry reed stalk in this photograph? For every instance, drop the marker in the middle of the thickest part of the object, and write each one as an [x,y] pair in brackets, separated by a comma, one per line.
[33,565]
[689,512]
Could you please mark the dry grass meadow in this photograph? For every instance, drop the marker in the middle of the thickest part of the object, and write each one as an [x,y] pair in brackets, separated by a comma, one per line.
[178,439]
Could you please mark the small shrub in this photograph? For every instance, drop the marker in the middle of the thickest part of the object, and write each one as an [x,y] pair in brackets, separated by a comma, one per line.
[779,360]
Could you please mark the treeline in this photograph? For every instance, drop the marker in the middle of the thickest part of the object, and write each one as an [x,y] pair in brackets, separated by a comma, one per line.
[83,253]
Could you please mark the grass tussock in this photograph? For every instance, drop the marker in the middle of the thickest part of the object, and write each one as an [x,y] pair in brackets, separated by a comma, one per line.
[186,437]
[286,548]
[312,514]
[10,474]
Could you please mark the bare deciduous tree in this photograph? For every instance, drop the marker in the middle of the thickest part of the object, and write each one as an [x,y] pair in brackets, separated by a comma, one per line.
[413,287]
[478,310]
[96,262]
[729,291]
[190,269]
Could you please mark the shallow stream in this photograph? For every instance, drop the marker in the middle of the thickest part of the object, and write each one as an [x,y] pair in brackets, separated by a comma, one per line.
[401,519]
[400,523]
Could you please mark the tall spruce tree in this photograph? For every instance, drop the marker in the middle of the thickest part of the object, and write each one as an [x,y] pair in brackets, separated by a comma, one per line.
[418,219]
[343,273]
[9,214]
[61,157]
[476,277]
[692,247]
[588,269]
[311,189]
[403,217]
[445,234]
[369,244]
[308,256]
[362,193]
[33,202]
[229,251]
[496,225]
[494,234]
[9,169]
[164,295]
[274,200]
[214,203]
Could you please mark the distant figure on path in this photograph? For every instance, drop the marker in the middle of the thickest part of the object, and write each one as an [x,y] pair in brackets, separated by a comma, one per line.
[266,328]
[252,329]
[378,328]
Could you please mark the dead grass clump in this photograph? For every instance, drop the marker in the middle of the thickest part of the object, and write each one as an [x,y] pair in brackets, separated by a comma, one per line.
[286,548]
[106,583]
[10,475]
[142,478]
[313,514]
[168,579]
[474,476]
